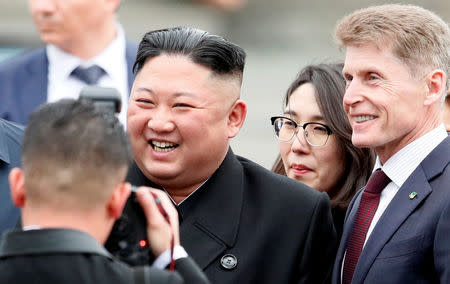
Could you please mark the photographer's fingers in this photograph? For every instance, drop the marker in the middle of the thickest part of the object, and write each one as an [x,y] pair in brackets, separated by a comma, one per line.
[148,205]
[159,231]
[171,212]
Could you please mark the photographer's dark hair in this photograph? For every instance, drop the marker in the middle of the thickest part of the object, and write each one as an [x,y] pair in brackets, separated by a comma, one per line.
[215,52]
[71,145]
[329,84]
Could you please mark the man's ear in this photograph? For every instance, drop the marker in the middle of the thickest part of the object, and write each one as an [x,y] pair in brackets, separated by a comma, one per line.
[435,82]
[17,184]
[236,117]
[118,199]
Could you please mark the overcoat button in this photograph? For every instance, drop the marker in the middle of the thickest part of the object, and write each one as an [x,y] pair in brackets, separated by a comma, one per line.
[228,261]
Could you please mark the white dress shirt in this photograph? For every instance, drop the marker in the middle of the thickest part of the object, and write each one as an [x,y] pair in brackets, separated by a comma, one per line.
[178,204]
[112,60]
[164,259]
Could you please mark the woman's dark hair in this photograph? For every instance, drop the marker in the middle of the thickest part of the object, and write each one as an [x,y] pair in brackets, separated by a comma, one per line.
[329,84]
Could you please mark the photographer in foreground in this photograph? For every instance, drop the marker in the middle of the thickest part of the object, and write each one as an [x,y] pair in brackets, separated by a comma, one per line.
[71,190]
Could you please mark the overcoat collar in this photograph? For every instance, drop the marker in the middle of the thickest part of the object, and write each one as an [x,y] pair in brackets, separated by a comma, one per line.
[211,216]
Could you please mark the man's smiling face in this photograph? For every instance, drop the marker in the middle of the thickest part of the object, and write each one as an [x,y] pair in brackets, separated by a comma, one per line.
[178,120]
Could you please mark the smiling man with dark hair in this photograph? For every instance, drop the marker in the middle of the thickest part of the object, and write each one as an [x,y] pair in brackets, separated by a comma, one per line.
[239,221]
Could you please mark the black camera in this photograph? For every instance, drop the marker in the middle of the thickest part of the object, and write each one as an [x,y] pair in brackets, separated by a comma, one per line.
[103,98]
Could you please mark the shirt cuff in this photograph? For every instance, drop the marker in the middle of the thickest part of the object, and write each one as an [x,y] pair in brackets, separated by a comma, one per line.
[164,259]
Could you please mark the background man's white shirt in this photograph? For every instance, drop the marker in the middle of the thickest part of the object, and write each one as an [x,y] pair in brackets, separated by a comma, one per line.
[112,60]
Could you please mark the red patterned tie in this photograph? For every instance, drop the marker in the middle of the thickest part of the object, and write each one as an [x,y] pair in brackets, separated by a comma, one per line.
[367,208]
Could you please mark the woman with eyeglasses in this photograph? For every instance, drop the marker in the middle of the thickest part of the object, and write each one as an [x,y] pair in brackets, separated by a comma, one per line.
[314,137]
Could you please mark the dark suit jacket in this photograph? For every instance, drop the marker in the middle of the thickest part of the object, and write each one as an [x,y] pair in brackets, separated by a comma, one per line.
[411,241]
[24,80]
[10,144]
[247,225]
[71,256]
[338,220]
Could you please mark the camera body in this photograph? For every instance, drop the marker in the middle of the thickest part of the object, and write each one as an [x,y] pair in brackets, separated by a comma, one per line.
[128,240]
[103,97]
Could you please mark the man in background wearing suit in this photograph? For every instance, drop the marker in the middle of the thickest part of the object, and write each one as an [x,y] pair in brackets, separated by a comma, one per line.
[240,222]
[10,143]
[396,66]
[85,45]
[71,190]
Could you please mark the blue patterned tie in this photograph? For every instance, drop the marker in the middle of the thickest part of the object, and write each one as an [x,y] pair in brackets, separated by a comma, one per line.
[89,75]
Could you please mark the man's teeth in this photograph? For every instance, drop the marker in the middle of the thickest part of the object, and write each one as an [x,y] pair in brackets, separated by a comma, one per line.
[163,146]
[363,118]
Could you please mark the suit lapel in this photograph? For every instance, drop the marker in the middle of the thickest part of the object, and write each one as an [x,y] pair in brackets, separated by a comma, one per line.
[395,214]
[130,54]
[37,80]
[402,206]
[211,215]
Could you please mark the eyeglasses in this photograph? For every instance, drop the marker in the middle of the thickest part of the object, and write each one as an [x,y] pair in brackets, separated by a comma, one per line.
[316,134]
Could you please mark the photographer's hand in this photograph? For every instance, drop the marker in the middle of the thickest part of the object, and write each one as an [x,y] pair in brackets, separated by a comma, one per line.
[159,231]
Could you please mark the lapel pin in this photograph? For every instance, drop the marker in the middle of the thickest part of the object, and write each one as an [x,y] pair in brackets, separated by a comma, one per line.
[412,195]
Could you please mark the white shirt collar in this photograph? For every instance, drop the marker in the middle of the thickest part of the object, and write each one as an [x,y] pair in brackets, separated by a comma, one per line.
[65,62]
[401,165]
[178,204]
[60,63]
[31,227]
